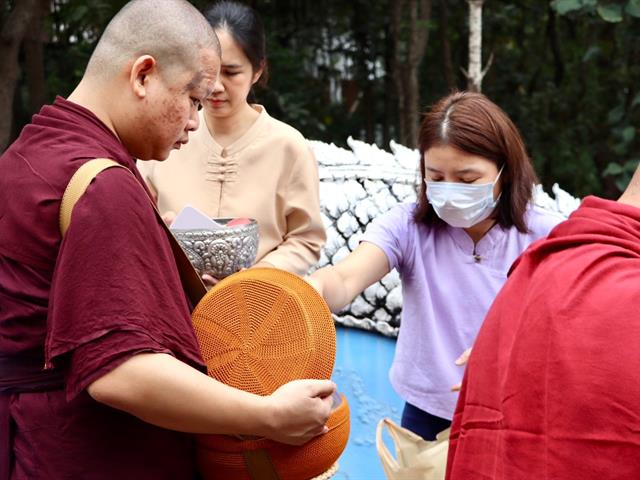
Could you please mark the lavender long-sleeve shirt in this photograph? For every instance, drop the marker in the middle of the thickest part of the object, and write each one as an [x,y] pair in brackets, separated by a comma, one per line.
[447,292]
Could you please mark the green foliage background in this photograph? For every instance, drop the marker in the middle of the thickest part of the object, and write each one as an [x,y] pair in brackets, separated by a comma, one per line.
[566,71]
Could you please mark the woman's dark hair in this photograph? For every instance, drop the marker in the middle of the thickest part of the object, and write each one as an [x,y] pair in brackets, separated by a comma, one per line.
[473,124]
[245,26]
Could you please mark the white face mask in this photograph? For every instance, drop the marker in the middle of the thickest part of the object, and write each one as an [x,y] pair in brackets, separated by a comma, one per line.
[462,205]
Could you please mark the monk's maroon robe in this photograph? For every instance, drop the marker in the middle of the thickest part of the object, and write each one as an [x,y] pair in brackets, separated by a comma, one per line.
[552,389]
[81,306]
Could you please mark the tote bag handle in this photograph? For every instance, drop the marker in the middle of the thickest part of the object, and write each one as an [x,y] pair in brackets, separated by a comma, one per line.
[416,458]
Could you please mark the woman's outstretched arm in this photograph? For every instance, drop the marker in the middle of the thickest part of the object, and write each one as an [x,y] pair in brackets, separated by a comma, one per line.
[340,284]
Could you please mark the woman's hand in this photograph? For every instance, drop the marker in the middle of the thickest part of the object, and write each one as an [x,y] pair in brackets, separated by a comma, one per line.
[262,264]
[461,360]
[209,281]
[169,217]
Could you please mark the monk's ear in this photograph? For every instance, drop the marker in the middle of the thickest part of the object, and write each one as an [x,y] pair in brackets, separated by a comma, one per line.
[142,68]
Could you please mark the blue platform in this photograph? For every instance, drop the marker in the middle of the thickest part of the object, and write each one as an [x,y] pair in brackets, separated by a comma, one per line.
[362,367]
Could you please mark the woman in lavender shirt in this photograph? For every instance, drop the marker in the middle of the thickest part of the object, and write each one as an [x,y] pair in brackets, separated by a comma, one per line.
[452,249]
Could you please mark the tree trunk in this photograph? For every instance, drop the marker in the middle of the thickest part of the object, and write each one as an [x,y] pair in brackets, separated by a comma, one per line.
[397,67]
[12,35]
[362,36]
[554,43]
[419,16]
[449,74]
[34,58]
[475,73]
[410,87]
[389,101]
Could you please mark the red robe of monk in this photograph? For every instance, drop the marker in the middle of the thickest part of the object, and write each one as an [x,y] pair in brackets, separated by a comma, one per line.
[552,389]
[81,306]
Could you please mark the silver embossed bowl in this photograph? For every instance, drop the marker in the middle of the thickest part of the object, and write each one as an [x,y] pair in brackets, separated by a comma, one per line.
[220,253]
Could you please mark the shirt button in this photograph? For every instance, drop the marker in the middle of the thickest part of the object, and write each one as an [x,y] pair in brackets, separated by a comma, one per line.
[223,154]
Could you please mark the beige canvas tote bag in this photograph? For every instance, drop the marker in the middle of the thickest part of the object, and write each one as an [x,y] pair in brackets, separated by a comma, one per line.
[416,458]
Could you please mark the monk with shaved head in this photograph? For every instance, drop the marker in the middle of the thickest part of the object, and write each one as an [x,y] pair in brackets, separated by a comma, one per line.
[100,372]
[153,65]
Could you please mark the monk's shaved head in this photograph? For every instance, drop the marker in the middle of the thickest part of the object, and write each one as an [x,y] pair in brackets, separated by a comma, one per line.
[171,31]
[155,63]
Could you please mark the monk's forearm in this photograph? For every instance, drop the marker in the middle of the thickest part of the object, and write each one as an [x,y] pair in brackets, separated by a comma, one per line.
[166,392]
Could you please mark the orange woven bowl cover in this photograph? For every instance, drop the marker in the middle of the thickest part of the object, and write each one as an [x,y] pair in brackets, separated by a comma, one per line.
[259,329]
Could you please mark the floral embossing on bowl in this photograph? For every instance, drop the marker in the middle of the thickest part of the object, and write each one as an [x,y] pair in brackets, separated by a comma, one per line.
[221,252]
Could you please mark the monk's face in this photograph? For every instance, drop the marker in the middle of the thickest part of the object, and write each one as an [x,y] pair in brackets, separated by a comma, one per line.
[170,111]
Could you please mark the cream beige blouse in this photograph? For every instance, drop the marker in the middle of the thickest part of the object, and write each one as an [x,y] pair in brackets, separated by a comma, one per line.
[269,174]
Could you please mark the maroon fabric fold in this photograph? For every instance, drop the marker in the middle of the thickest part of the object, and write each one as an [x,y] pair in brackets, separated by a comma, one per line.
[6,451]
[551,390]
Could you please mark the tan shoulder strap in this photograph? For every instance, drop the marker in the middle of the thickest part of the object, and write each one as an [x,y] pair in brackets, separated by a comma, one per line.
[77,186]
[191,281]
[259,465]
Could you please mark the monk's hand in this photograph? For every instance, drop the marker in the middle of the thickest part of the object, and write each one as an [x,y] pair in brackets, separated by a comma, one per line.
[461,360]
[209,281]
[299,410]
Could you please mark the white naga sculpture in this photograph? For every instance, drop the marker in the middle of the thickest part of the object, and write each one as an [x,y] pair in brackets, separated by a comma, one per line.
[357,186]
